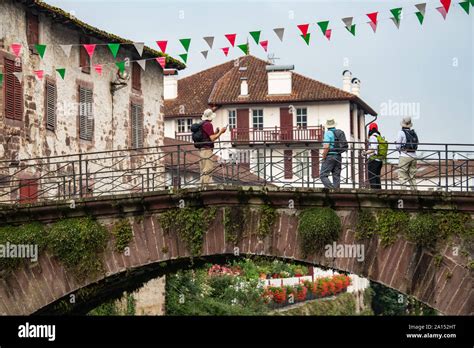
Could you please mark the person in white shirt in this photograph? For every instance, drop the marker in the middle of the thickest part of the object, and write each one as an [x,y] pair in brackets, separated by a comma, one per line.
[374,164]
[407,144]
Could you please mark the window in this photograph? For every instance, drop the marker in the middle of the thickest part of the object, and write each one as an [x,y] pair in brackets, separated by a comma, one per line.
[137,126]
[136,76]
[13,91]
[50,105]
[232,119]
[257,119]
[301,117]
[32,30]
[184,125]
[86,116]
[84,59]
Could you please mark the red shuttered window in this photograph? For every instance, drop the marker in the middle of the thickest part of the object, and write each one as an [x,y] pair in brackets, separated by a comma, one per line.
[13,91]
[288,164]
[137,126]
[32,30]
[136,76]
[315,164]
[50,105]
[28,190]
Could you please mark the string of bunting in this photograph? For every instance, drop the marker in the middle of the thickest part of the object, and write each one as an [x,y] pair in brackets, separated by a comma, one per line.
[305,34]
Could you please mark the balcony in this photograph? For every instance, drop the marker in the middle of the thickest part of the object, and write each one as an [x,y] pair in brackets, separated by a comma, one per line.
[277,134]
[184,136]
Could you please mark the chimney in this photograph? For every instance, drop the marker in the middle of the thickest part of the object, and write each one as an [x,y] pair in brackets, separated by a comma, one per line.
[346,81]
[279,79]
[170,84]
[356,86]
[244,87]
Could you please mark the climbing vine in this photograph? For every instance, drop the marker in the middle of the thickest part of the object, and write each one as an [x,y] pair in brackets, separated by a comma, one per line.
[391,223]
[268,216]
[122,231]
[233,223]
[366,225]
[423,230]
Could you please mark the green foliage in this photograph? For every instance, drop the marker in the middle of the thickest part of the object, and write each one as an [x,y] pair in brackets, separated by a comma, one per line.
[366,224]
[423,230]
[130,310]
[233,223]
[76,243]
[268,217]
[390,223]
[123,233]
[318,227]
[190,224]
[343,304]
[452,223]
[108,308]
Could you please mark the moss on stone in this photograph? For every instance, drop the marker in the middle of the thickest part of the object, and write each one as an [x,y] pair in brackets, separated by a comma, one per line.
[422,229]
[123,234]
[366,225]
[391,223]
[267,219]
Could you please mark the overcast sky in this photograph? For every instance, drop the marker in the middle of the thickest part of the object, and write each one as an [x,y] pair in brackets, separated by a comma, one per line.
[428,70]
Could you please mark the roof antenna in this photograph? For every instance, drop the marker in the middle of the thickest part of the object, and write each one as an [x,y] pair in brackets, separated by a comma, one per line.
[271,58]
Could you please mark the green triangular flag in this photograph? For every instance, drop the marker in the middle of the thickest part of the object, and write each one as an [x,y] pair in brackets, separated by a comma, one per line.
[41,49]
[352,30]
[244,48]
[121,66]
[324,26]
[184,57]
[114,47]
[472,2]
[465,6]
[185,43]
[420,17]
[306,38]
[256,36]
[1,79]
[61,72]
[397,12]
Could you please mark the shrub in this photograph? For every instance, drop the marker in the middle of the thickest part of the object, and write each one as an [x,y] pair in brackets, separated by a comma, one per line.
[423,230]
[318,227]
[391,223]
[366,224]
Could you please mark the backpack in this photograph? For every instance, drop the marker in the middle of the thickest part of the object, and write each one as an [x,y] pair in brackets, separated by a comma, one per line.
[197,136]
[411,144]
[340,142]
[382,148]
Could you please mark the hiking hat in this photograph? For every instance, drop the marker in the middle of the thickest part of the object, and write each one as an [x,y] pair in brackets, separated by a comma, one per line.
[331,123]
[373,126]
[406,122]
[208,115]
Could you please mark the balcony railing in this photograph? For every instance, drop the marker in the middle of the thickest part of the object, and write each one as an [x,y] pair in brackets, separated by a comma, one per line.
[277,134]
[184,137]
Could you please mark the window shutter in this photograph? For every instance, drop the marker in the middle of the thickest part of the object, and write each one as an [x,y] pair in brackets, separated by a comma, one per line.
[136,76]
[137,126]
[32,30]
[50,105]
[288,164]
[28,190]
[13,92]
[86,116]
[315,163]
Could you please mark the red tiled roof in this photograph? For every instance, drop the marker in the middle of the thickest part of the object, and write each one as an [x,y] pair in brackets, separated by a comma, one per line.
[220,85]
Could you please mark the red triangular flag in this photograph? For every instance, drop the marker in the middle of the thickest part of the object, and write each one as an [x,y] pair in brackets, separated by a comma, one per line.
[16,48]
[328,34]
[161,61]
[98,69]
[162,45]
[373,26]
[446,4]
[39,74]
[225,50]
[373,17]
[443,12]
[231,38]
[264,44]
[303,28]
[90,49]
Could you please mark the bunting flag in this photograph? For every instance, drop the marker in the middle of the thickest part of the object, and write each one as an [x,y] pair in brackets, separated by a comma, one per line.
[162,45]
[39,74]
[397,13]
[231,38]
[98,69]
[16,48]
[204,53]
[185,43]
[442,10]
[264,44]
[472,3]
[244,48]
[420,17]
[465,5]
[161,61]
[256,36]
[373,26]
[1,79]
[279,32]
[184,57]
[19,76]
[90,48]
[421,8]
[324,26]
[114,48]
[352,29]
[306,38]
[61,72]
[303,28]
[209,40]
[446,4]
[121,66]
[328,34]
[348,22]
[41,50]
[373,17]
[142,63]
[66,49]
[225,50]
[397,23]
[139,47]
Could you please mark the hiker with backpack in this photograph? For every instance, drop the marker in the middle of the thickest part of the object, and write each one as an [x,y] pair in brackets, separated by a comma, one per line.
[335,144]
[204,136]
[407,144]
[376,155]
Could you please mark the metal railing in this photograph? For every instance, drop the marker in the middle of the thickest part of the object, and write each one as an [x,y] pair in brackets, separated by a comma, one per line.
[276,134]
[447,167]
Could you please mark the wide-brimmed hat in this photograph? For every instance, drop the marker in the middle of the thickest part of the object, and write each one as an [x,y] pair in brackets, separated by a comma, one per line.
[208,115]
[331,123]
[406,122]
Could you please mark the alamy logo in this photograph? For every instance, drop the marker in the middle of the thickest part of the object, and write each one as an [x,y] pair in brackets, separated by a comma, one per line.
[345,251]
[37,331]
[21,251]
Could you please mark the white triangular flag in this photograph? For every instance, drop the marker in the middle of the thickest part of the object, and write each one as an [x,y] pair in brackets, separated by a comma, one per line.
[139,47]
[397,23]
[204,53]
[66,49]
[142,63]
[19,76]
[421,8]
[348,21]
[209,40]
[279,32]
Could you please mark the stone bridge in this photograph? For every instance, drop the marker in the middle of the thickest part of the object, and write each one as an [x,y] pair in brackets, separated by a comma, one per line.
[442,279]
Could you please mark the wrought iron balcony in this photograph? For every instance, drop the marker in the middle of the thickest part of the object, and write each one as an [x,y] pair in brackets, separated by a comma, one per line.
[277,134]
